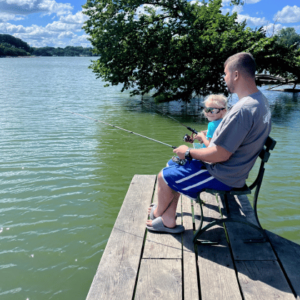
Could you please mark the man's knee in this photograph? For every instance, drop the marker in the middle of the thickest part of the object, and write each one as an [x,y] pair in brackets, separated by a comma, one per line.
[160,176]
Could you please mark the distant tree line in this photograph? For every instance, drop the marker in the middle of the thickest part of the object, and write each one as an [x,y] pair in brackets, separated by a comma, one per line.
[67,51]
[12,46]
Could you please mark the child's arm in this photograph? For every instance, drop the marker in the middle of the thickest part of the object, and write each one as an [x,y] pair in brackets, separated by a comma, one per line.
[205,140]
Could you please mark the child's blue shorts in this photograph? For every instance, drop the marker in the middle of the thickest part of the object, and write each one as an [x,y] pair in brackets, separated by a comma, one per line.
[191,178]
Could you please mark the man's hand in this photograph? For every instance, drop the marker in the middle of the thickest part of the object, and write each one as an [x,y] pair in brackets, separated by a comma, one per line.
[180,151]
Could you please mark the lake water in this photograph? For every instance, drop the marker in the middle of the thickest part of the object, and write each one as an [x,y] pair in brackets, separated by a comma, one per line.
[63,177]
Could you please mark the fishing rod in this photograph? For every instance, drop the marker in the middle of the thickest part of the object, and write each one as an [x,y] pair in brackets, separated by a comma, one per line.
[143,136]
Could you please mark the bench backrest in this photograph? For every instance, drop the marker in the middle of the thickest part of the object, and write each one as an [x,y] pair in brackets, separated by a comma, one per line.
[264,155]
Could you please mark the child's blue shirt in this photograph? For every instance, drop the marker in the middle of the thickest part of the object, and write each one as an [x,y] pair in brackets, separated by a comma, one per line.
[211,127]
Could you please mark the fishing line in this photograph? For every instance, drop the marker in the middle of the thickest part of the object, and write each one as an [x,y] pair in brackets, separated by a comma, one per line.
[189,128]
[129,131]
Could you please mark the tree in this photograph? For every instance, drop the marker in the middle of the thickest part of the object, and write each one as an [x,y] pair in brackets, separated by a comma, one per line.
[16,42]
[7,49]
[176,49]
[288,37]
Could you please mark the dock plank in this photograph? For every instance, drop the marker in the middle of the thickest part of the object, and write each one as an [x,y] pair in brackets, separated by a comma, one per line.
[159,279]
[240,209]
[217,274]
[116,275]
[161,245]
[259,272]
[190,277]
[288,254]
[261,280]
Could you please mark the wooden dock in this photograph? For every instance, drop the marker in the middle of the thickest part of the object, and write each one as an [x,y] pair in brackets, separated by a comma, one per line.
[138,264]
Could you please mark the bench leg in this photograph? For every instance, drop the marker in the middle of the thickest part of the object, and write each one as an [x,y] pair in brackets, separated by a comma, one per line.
[201,202]
[222,221]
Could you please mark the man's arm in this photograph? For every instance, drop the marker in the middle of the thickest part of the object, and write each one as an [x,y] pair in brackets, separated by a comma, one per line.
[211,154]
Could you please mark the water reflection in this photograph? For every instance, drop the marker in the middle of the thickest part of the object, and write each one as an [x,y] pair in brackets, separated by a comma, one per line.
[286,108]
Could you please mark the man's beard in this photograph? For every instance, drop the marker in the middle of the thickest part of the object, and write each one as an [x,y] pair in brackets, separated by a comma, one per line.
[230,88]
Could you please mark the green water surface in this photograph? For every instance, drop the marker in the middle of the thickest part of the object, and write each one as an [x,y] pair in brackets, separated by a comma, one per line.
[63,178]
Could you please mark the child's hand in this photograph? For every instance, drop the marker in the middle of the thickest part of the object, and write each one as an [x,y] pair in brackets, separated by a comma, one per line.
[198,136]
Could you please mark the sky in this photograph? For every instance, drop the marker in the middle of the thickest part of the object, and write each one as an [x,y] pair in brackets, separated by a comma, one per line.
[58,23]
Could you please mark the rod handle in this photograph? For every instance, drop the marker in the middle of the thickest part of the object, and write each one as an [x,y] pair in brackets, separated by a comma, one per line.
[192,130]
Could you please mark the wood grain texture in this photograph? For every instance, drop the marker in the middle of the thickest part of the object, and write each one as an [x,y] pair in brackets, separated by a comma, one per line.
[289,256]
[190,280]
[159,279]
[263,280]
[217,275]
[116,274]
[164,245]
[240,209]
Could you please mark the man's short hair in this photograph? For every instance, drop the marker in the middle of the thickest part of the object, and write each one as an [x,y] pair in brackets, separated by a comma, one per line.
[243,62]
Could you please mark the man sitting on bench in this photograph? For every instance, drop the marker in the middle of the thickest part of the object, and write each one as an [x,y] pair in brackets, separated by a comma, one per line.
[227,161]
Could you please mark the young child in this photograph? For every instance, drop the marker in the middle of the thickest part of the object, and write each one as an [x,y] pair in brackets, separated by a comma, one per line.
[215,109]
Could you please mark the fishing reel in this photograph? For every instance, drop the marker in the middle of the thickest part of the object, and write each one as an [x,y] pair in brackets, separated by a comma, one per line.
[187,138]
[179,161]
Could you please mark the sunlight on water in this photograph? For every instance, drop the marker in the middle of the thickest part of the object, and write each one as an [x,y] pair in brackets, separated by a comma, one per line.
[63,177]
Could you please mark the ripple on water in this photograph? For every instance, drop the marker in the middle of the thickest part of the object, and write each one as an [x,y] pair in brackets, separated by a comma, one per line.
[63,178]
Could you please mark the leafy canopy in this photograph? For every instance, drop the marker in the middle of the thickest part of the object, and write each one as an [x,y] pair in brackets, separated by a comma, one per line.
[289,36]
[172,48]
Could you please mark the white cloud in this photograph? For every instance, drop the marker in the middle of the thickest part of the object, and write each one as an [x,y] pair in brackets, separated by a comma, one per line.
[251,1]
[196,2]
[61,26]
[252,21]
[226,2]
[26,7]
[225,11]
[65,32]
[67,35]
[271,29]
[237,8]
[141,10]
[4,17]
[289,14]
[78,18]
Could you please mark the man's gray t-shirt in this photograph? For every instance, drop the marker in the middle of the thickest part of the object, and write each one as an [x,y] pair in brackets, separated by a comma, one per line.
[243,132]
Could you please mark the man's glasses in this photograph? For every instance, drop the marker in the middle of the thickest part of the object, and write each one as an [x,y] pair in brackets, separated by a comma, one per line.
[213,110]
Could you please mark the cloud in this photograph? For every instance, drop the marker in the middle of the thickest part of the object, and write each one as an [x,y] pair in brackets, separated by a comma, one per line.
[67,31]
[4,17]
[196,2]
[271,29]
[61,26]
[237,8]
[289,14]
[226,2]
[26,7]
[225,11]
[251,1]
[141,10]
[78,18]
[252,21]
[67,35]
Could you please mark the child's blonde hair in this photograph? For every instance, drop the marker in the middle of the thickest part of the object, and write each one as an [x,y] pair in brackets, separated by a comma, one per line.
[220,100]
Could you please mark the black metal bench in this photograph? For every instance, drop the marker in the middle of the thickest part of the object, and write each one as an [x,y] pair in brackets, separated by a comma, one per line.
[245,190]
